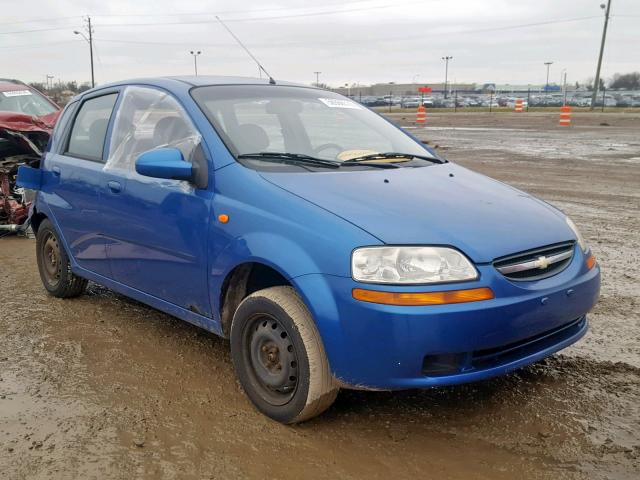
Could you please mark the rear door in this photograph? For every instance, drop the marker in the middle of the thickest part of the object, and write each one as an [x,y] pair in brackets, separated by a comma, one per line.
[72,190]
[156,230]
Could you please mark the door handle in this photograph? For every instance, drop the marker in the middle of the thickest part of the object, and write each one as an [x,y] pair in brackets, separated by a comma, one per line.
[56,171]
[114,186]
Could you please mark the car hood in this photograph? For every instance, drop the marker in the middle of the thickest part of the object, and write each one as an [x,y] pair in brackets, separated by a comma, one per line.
[22,122]
[436,205]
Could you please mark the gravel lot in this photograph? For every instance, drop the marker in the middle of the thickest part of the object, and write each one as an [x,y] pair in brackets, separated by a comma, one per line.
[104,387]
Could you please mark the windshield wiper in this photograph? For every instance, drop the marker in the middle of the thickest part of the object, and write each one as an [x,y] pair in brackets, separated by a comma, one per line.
[308,160]
[390,155]
[292,158]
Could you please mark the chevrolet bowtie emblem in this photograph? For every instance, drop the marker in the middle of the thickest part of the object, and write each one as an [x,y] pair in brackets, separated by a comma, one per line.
[542,262]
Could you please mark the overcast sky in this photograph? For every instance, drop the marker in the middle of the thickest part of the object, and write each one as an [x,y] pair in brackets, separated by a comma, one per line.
[351,41]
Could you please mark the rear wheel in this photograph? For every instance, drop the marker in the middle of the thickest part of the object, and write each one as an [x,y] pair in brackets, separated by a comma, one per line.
[279,357]
[54,265]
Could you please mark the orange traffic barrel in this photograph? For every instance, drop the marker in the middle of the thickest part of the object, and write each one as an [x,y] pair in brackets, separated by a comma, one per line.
[565,116]
[421,115]
[518,105]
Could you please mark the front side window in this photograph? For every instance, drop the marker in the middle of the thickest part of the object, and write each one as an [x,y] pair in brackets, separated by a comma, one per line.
[148,118]
[295,120]
[90,127]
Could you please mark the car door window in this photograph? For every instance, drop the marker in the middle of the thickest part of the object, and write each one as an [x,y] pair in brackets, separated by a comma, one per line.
[61,126]
[148,118]
[90,127]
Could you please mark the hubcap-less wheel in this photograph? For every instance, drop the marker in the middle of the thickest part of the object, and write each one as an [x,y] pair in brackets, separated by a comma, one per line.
[272,358]
[51,260]
[279,357]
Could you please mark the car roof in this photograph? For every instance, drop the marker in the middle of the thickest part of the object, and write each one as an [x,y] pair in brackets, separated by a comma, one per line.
[201,80]
[8,85]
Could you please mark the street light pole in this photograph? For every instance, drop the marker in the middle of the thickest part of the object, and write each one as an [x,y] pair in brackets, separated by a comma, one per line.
[195,60]
[446,73]
[317,78]
[596,82]
[546,86]
[90,42]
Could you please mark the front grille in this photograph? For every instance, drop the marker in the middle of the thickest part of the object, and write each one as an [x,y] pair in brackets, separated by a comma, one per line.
[536,264]
[453,363]
[490,357]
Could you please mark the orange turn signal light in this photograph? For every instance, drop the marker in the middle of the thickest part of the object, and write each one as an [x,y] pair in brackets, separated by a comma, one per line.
[591,261]
[415,299]
[223,218]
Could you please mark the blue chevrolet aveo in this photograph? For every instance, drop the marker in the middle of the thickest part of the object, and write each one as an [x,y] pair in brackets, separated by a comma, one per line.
[332,248]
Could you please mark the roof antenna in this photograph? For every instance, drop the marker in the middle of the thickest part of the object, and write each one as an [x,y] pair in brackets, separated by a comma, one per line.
[260,67]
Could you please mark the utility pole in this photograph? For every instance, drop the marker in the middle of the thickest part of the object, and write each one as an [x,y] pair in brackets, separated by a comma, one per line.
[89,40]
[317,78]
[596,82]
[546,86]
[49,77]
[446,73]
[195,60]
[564,87]
[93,80]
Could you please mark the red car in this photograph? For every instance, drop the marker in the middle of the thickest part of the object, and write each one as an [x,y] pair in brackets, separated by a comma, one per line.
[27,118]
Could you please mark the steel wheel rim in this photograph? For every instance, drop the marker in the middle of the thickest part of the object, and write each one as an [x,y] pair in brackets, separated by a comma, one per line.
[271,359]
[51,261]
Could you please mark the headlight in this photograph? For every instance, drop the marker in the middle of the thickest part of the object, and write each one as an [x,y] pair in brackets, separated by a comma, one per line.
[581,242]
[410,265]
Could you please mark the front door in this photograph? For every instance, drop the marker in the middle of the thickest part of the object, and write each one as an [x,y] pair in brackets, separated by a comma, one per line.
[156,230]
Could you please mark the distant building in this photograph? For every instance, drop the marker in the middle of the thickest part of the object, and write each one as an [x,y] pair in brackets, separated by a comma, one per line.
[411,89]
[401,89]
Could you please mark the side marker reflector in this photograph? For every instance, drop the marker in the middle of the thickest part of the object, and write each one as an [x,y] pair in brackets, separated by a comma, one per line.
[223,218]
[416,299]
[591,261]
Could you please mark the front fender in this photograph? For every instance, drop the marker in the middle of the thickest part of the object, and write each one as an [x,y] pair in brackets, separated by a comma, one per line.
[274,250]
[269,225]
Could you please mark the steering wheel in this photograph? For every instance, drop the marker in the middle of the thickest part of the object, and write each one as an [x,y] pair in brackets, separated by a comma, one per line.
[327,146]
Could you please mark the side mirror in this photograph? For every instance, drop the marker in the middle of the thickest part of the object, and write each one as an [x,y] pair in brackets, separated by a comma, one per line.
[164,163]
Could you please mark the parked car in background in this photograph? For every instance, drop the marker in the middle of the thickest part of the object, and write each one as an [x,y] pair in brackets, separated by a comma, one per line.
[27,118]
[330,246]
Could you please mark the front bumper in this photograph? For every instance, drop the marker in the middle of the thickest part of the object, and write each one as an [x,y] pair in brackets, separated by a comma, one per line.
[377,346]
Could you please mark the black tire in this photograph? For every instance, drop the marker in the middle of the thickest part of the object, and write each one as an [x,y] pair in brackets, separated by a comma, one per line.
[54,265]
[279,357]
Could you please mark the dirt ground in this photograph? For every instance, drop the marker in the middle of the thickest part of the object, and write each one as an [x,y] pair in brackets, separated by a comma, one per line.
[104,387]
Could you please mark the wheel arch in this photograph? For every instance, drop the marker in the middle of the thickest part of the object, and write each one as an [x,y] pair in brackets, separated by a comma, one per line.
[36,219]
[243,280]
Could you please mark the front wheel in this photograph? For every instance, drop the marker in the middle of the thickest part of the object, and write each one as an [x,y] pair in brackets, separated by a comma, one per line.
[279,357]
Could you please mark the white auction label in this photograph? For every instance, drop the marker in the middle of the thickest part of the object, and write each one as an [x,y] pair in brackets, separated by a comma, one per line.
[339,103]
[16,93]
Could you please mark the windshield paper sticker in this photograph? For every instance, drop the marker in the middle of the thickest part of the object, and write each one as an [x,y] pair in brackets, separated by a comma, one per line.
[16,93]
[339,103]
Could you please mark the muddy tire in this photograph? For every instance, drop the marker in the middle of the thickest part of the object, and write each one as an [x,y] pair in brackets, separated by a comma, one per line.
[279,357]
[54,265]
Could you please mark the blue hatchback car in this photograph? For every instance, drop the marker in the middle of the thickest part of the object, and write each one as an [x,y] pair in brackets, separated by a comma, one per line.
[333,248]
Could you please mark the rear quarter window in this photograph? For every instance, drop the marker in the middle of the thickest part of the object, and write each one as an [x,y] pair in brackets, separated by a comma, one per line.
[87,137]
[61,126]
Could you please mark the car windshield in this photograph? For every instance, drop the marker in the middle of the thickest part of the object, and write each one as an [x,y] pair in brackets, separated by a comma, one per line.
[254,119]
[25,101]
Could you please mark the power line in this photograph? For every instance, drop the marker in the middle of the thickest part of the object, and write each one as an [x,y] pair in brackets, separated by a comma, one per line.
[362,40]
[490,29]
[37,30]
[37,20]
[253,19]
[39,45]
[231,12]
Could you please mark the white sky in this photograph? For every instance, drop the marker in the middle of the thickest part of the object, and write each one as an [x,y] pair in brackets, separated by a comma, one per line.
[351,41]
